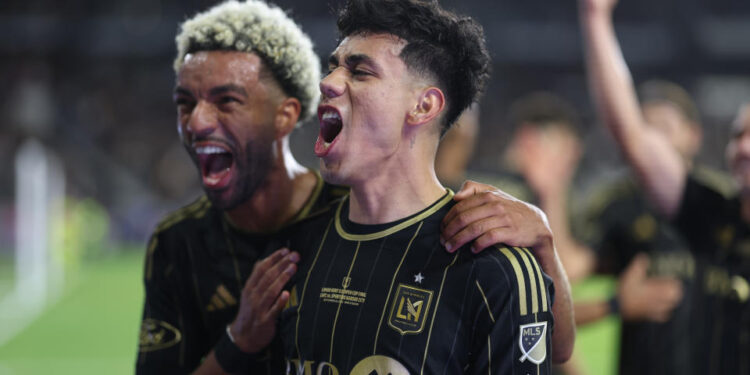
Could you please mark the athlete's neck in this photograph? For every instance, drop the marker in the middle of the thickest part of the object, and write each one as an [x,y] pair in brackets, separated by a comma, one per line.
[282,195]
[395,193]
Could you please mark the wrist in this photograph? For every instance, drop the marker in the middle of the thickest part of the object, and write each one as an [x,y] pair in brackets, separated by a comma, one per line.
[232,358]
[613,305]
[234,333]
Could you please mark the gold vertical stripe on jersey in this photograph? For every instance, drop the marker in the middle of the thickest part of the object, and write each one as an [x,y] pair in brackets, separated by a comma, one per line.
[434,312]
[304,288]
[542,286]
[489,353]
[390,289]
[338,310]
[519,277]
[489,310]
[532,281]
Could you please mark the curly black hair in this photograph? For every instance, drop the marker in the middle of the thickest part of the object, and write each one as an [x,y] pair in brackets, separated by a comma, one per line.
[440,44]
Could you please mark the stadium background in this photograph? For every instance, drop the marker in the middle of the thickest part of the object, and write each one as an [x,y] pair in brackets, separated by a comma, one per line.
[91,82]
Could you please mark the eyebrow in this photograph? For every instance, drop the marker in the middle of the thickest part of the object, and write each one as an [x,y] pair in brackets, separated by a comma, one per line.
[353,60]
[214,91]
[227,88]
[182,91]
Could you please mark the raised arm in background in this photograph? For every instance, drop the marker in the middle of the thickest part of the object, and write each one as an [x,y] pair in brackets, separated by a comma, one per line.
[659,166]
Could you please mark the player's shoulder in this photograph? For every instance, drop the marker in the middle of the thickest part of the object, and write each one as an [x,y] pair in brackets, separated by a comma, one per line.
[323,197]
[620,188]
[714,180]
[183,217]
[326,206]
[514,271]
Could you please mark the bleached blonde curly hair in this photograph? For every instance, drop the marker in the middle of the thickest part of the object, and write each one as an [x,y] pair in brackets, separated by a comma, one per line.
[264,29]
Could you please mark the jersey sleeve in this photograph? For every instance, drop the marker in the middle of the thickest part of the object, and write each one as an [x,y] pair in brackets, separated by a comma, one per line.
[513,325]
[170,340]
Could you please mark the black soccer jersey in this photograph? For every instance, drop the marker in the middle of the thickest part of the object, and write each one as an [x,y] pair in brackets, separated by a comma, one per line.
[712,224]
[621,224]
[388,299]
[196,266]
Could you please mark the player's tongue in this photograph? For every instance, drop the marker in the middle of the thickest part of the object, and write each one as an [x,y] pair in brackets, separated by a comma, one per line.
[215,168]
[330,127]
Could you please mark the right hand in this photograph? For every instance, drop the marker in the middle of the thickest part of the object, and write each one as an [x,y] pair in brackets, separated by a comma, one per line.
[262,299]
[647,298]
[487,215]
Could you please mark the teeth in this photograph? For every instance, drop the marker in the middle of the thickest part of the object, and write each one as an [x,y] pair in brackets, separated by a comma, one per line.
[209,150]
[330,115]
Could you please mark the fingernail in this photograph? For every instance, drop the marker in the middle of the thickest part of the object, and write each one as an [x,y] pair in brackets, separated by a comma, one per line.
[448,246]
[290,269]
[474,249]
[294,257]
[442,241]
[284,251]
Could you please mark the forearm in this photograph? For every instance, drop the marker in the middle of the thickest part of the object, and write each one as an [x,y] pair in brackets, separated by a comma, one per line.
[577,259]
[610,82]
[589,312]
[656,162]
[563,338]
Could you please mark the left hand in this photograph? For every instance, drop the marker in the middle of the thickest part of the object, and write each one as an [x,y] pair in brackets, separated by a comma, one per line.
[486,215]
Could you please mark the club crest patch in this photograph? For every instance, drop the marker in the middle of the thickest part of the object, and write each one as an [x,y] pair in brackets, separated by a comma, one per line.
[532,342]
[156,334]
[409,309]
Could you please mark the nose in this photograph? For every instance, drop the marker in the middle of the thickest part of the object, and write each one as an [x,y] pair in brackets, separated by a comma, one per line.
[202,121]
[333,84]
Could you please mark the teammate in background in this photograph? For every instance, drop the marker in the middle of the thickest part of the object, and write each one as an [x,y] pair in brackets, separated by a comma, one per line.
[246,76]
[380,294]
[545,150]
[714,225]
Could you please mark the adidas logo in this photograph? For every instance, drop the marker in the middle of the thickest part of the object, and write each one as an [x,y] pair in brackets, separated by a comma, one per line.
[221,299]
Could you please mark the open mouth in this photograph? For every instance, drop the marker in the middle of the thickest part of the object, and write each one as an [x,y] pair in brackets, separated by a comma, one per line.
[215,164]
[330,128]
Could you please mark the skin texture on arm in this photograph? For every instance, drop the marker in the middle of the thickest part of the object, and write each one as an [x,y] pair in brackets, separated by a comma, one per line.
[486,216]
[659,166]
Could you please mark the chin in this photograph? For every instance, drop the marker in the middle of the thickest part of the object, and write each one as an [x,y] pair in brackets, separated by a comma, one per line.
[330,176]
[221,199]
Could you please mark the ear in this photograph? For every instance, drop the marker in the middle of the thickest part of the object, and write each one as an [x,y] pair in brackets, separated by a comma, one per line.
[430,105]
[287,115]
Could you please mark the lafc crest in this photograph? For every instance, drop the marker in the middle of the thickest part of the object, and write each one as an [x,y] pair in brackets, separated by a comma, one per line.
[532,342]
[410,309]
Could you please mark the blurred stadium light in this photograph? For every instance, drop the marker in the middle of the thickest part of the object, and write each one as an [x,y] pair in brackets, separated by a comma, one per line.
[40,195]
